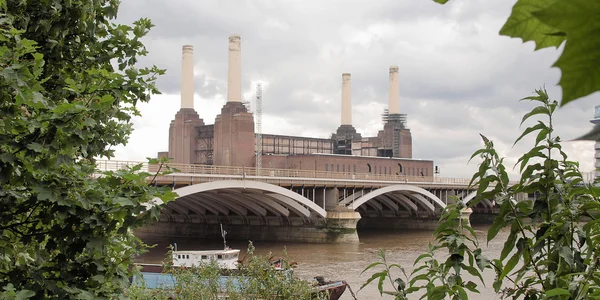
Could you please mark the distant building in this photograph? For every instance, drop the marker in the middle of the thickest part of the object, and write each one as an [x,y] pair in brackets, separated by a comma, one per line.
[230,141]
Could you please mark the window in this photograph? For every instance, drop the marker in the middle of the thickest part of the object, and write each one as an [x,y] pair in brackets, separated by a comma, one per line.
[343,168]
[354,167]
[219,256]
[187,257]
[204,257]
[331,167]
[338,167]
[326,167]
[178,256]
[385,170]
[426,172]
[379,169]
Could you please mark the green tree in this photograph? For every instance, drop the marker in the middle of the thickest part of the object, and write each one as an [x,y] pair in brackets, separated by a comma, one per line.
[553,248]
[68,90]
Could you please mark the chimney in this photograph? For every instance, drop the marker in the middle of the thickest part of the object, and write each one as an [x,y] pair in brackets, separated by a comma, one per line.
[234,83]
[346,99]
[394,102]
[187,77]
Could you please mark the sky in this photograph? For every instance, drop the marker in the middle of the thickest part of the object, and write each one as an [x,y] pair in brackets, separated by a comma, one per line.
[458,76]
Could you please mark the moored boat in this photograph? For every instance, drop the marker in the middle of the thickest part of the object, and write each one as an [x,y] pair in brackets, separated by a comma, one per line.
[332,288]
[226,259]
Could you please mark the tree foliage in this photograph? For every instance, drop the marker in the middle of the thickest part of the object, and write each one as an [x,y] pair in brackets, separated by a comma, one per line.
[553,247]
[68,90]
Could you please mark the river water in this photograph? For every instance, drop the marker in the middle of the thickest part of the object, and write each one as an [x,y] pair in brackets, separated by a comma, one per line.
[345,261]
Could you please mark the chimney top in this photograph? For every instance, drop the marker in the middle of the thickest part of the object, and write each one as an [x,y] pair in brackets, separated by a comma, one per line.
[187,48]
[234,37]
[394,68]
[345,74]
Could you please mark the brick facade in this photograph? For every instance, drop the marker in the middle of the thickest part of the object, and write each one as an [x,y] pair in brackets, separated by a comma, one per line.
[234,138]
[351,164]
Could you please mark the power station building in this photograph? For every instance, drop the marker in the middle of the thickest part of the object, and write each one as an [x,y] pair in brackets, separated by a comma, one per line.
[231,139]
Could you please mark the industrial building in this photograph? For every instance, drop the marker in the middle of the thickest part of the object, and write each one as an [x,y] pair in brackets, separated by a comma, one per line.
[232,140]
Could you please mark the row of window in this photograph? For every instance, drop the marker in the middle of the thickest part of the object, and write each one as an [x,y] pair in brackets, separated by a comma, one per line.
[204,257]
[382,170]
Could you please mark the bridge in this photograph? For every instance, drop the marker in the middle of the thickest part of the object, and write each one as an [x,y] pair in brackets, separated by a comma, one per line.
[297,205]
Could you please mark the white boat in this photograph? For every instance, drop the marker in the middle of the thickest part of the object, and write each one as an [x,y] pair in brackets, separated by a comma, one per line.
[226,258]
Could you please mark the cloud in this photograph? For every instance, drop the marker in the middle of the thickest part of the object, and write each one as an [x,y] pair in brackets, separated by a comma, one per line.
[458,77]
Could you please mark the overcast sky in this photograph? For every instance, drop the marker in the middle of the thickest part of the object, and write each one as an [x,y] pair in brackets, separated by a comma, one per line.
[458,76]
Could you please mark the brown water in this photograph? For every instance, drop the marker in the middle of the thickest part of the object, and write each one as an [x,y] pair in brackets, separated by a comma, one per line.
[344,261]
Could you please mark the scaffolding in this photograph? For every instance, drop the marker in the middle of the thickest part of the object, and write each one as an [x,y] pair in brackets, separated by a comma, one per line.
[259,144]
[398,122]
[205,136]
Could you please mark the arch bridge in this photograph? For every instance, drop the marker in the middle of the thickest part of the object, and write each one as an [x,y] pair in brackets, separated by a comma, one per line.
[290,205]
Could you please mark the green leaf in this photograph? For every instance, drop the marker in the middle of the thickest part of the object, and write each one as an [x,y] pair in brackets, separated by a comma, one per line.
[379,275]
[523,24]
[570,15]
[580,66]
[531,129]
[580,60]
[510,264]
[536,111]
[24,294]
[35,147]
[509,245]
[371,265]
[556,292]
[441,1]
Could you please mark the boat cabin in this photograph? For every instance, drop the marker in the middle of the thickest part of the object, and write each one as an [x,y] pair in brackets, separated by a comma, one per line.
[226,259]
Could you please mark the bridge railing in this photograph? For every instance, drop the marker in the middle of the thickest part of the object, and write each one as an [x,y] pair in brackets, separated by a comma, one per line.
[241,172]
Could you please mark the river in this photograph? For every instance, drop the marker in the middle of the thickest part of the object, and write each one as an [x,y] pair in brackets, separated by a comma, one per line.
[345,261]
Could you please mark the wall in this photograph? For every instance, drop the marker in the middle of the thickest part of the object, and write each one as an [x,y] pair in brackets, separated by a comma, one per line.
[182,133]
[350,164]
[234,137]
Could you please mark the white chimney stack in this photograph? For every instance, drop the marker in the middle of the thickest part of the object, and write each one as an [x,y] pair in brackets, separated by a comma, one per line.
[187,77]
[234,84]
[394,101]
[346,99]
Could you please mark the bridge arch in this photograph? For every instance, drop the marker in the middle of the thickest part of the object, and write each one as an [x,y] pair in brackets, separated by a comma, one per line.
[277,199]
[419,195]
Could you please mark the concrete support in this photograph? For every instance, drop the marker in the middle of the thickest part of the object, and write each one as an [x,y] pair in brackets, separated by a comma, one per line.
[346,99]
[234,74]
[332,197]
[394,100]
[465,215]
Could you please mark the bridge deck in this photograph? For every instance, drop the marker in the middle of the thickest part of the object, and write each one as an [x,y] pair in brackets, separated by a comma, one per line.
[192,174]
